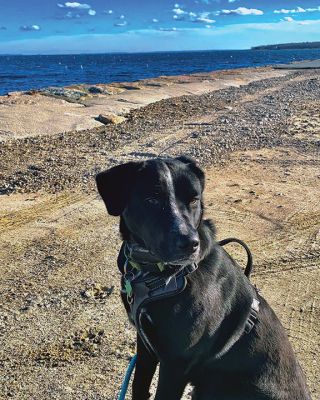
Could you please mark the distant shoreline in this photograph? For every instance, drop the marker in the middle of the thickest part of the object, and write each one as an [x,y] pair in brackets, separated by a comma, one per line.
[289,46]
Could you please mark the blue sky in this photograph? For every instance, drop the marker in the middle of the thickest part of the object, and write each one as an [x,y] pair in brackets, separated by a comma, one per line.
[56,27]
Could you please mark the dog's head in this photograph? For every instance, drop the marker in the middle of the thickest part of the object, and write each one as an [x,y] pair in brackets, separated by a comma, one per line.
[160,203]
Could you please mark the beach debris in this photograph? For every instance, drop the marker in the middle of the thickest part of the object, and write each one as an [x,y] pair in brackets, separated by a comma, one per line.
[87,340]
[96,291]
[110,119]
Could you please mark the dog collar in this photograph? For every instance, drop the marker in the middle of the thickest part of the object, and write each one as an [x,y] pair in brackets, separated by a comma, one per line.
[139,262]
[140,258]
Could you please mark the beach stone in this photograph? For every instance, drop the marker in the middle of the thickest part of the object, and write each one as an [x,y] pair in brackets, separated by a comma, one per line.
[15,93]
[110,119]
[64,93]
[95,90]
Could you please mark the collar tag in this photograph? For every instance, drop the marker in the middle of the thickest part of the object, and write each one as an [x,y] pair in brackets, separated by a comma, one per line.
[161,266]
[128,287]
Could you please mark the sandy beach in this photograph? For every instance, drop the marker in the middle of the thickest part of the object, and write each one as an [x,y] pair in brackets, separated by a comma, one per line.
[256,132]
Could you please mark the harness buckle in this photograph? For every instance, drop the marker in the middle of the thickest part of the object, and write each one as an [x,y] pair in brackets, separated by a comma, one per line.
[253,316]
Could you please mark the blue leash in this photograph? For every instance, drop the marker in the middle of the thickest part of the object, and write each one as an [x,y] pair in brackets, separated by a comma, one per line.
[126,380]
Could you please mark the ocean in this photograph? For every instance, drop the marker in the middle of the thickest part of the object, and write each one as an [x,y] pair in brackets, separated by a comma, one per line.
[39,71]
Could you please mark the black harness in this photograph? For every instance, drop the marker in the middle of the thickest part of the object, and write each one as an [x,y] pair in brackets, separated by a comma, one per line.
[145,279]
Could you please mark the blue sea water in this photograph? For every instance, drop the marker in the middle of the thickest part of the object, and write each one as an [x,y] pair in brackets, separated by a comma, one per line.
[35,72]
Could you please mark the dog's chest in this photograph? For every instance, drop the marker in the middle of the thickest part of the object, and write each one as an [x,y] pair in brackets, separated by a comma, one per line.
[184,324]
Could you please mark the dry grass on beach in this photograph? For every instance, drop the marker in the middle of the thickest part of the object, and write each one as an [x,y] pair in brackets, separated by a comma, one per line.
[63,330]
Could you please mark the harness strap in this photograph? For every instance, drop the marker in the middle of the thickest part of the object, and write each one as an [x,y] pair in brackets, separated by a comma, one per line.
[248,268]
[147,290]
[253,316]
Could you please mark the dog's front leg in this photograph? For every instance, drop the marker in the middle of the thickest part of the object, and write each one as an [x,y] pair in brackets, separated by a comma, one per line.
[145,367]
[171,383]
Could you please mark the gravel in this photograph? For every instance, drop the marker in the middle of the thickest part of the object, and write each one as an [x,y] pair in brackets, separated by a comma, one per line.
[245,118]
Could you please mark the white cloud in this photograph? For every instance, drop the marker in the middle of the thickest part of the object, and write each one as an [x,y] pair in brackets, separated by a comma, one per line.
[296,10]
[241,11]
[192,14]
[168,29]
[79,6]
[204,20]
[176,5]
[204,14]
[123,23]
[179,11]
[232,1]
[71,15]
[122,16]
[179,18]
[92,12]
[155,20]
[288,19]
[29,28]
[208,26]
[108,12]
[283,11]
[313,9]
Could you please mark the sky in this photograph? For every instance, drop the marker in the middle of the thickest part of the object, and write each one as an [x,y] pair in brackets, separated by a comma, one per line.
[101,26]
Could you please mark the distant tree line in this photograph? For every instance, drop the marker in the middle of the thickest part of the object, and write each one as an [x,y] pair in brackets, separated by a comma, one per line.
[284,46]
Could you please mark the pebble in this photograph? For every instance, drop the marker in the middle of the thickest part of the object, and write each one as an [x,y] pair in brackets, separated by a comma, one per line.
[110,119]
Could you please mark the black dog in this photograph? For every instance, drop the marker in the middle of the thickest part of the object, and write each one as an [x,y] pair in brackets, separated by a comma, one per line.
[195,311]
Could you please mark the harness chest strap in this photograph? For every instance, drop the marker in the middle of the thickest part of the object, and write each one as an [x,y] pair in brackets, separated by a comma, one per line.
[146,287]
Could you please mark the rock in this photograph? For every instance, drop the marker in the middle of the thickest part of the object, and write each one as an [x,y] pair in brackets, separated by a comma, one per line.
[64,93]
[14,93]
[96,291]
[110,119]
[95,90]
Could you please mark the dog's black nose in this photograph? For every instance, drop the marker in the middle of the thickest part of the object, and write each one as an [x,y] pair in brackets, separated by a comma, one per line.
[188,244]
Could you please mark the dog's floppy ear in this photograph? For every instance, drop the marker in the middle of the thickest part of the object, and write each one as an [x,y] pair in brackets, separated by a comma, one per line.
[194,168]
[115,185]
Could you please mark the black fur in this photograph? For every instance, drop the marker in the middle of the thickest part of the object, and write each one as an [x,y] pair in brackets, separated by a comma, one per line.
[199,334]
